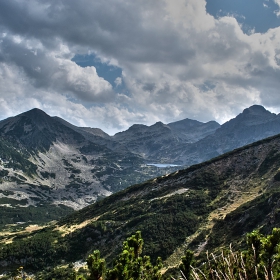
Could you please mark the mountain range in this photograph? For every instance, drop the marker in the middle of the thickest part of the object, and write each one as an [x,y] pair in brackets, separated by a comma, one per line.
[50,166]
[203,207]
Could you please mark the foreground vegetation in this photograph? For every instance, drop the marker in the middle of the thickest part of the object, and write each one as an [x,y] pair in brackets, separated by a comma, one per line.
[259,260]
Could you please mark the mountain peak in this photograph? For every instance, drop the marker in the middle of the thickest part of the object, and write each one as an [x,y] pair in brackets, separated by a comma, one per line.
[137,126]
[160,126]
[35,113]
[256,110]
[36,110]
[159,123]
[187,123]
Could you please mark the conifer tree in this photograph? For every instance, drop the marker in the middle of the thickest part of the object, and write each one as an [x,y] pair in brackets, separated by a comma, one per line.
[187,262]
[129,265]
[96,266]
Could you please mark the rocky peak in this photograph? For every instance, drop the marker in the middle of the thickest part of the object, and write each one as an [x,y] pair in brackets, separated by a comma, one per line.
[255,114]
[35,113]
[159,126]
[35,130]
[38,118]
[184,124]
[252,116]
[136,127]
[257,110]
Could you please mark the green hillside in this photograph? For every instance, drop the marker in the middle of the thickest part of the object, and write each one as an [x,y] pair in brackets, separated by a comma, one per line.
[204,207]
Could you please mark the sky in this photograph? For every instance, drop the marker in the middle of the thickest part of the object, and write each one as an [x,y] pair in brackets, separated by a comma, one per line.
[110,64]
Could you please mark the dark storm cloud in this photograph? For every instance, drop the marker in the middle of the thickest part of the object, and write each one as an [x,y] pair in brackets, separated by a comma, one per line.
[123,29]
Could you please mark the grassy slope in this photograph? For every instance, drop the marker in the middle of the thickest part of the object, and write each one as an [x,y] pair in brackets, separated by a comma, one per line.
[211,203]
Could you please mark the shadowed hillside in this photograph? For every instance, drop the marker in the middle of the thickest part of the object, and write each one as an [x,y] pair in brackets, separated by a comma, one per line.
[202,207]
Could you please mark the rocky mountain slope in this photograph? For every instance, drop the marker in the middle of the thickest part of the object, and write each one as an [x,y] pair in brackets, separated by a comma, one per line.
[153,142]
[202,207]
[55,167]
[253,124]
[189,142]
[50,167]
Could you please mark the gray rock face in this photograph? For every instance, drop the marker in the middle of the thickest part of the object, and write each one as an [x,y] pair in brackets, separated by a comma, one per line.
[45,158]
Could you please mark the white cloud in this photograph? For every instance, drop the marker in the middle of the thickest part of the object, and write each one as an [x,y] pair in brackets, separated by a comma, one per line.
[277,2]
[52,69]
[118,81]
[85,83]
[277,12]
[177,61]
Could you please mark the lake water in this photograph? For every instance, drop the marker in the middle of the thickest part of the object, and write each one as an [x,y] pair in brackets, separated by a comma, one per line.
[162,165]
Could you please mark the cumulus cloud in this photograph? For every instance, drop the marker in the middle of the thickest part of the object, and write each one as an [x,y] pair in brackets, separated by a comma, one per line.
[52,69]
[277,12]
[177,61]
[118,81]
[277,2]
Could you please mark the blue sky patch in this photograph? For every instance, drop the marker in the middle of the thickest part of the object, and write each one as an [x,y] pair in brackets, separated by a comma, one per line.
[252,14]
[108,72]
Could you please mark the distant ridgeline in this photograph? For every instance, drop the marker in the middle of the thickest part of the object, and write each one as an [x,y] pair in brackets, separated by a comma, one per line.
[203,207]
[54,167]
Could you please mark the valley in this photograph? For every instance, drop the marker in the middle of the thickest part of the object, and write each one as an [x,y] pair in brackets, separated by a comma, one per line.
[72,190]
